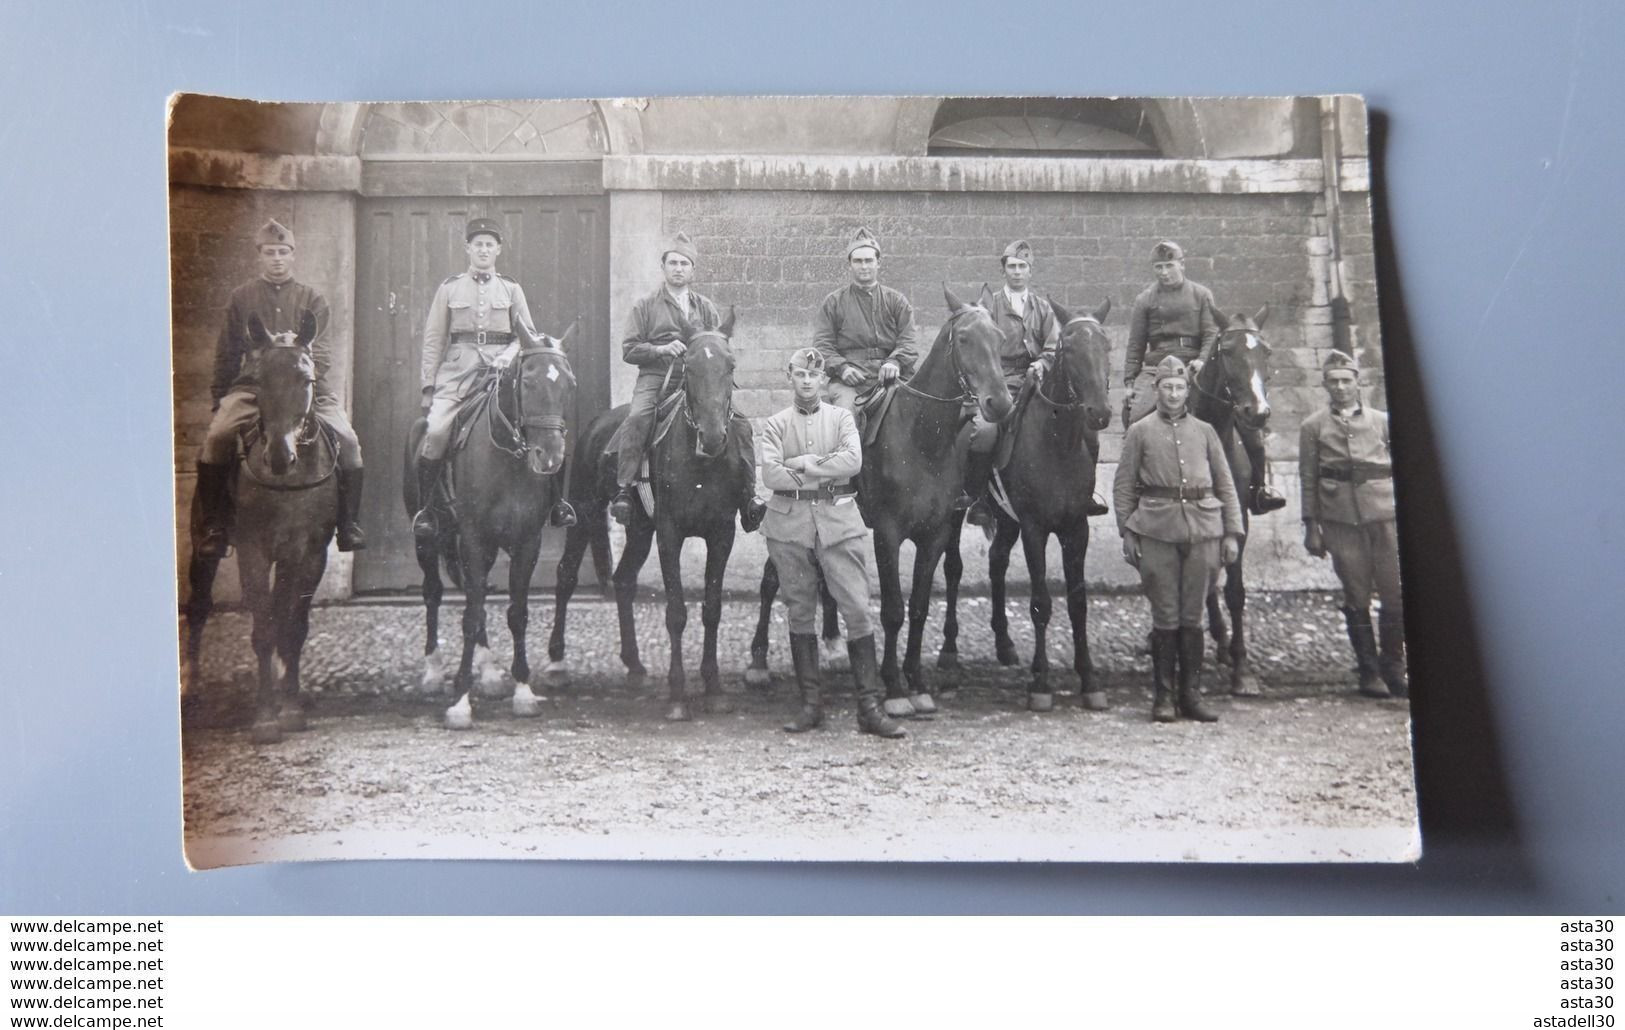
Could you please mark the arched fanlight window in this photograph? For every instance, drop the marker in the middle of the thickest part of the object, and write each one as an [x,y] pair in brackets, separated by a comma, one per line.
[1043,127]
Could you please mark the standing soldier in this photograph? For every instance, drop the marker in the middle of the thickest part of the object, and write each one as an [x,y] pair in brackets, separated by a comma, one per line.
[1348,512]
[657,337]
[1175,501]
[865,330]
[1026,355]
[479,319]
[810,452]
[1176,316]
[280,302]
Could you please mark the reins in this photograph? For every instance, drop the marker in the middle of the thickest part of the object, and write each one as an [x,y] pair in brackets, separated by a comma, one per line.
[953,358]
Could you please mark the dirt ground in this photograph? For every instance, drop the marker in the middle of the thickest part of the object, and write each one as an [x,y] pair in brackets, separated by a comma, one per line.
[1309,772]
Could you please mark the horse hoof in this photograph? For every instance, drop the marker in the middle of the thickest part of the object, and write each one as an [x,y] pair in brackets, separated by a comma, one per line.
[636,678]
[716,704]
[835,655]
[947,659]
[460,716]
[1095,701]
[526,704]
[292,719]
[1040,702]
[1007,655]
[1246,686]
[758,679]
[923,705]
[679,712]
[898,707]
[556,674]
[266,731]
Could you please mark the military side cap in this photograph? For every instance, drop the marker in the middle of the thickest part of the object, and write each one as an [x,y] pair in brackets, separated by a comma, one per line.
[810,358]
[1337,361]
[487,226]
[1167,250]
[681,244]
[1171,368]
[273,233]
[860,239]
[1019,249]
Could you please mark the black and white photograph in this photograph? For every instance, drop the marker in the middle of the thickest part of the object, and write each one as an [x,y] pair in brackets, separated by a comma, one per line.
[785,478]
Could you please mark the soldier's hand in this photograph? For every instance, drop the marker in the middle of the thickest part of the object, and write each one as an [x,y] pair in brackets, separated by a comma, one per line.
[852,375]
[1131,547]
[1195,366]
[889,372]
[428,397]
[1230,550]
[1312,541]
[674,349]
[1035,372]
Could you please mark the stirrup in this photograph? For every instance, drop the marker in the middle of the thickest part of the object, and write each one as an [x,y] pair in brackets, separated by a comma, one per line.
[213,544]
[1261,500]
[424,527]
[351,538]
[751,515]
[620,508]
[563,515]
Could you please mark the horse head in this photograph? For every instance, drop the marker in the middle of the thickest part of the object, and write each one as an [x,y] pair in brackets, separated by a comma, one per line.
[708,371]
[973,349]
[1243,373]
[544,389]
[287,379]
[1083,363]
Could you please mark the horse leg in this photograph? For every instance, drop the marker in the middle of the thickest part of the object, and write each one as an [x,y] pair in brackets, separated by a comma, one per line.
[835,655]
[717,548]
[294,628]
[998,565]
[434,667]
[1034,542]
[670,544]
[919,607]
[1242,681]
[757,675]
[1074,548]
[1217,627]
[475,560]
[566,575]
[200,573]
[638,537]
[521,563]
[897,703]
[255,572]
[953,568]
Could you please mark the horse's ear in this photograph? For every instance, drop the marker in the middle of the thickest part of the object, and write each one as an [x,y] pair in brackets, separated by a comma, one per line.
[257,332]
[727,326]
[1101,312]
[307,329]
[1223,322]
[571,331]
[1062,314]
[955,305]
[1263,313]
[986,296]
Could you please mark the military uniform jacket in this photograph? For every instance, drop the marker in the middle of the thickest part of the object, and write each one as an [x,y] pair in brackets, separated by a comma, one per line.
[831,433]
[1163,315]
[866,330]
[1175,453]
[657,319]
[1029,337]
[1357,442]
[463,304]
[280,307]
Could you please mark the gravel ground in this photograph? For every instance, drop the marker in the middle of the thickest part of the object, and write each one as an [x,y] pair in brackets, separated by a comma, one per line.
[1309,772]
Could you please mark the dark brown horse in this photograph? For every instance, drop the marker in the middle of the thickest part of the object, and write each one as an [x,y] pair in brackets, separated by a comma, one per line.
[1232,388]
[696,485]
[1049,482]
[912,475]
[286,512]
[502,484]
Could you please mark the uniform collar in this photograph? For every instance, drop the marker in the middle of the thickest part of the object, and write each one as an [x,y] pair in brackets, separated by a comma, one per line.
[277,284]
[481,277]
[1025,296]
[1357,408]
[814,405]
[1182,416]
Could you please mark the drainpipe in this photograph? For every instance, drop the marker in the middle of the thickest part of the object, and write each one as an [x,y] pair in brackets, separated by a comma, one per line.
[1331,163]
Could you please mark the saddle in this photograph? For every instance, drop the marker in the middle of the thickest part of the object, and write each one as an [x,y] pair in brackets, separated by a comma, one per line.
[873,404]
[670,408]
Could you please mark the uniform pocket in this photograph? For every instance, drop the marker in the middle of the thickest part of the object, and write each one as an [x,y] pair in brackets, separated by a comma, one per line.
[782,505]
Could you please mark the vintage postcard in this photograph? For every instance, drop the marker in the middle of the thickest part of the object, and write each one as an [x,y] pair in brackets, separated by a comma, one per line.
[792,478]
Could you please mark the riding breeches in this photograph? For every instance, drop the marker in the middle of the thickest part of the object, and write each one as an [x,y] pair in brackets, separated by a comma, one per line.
[460,369]
[240,409]
[846,573]
[985,434]
[1142,397]
[639,424]
[1366,558]
[1177,578]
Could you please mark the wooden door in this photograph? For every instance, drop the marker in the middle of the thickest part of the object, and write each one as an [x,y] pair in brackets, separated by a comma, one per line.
[557,248]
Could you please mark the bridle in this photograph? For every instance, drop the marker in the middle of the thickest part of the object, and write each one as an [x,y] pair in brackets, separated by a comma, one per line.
[1060,361]
[953,357]
[514,376]
[1227,395]
[309,427]
[688,409]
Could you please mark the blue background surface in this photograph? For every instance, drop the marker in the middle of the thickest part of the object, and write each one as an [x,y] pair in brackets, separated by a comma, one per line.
[1500,228]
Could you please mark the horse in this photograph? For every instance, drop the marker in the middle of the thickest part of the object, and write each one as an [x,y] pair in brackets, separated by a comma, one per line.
[756,674]
[1049,485]
[696,484]
[503,481]
[1231,388]
[913,473]
[286,503]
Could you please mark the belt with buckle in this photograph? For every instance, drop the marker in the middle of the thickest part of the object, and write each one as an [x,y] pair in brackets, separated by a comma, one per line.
[822,493]
[1176,493]
[482,337]
[1362,474]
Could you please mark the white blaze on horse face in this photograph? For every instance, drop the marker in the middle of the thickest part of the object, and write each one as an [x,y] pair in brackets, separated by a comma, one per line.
[552,372]
[708,353]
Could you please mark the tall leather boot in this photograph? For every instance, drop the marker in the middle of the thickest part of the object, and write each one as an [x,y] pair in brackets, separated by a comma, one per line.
[350,536]
[429,472]
[214,508]
[1164,651]
[978,473]
[1392,660]
[866,677]
[1364,641]
[1191,646]
[620,508]
[804,653]
[1261,497]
